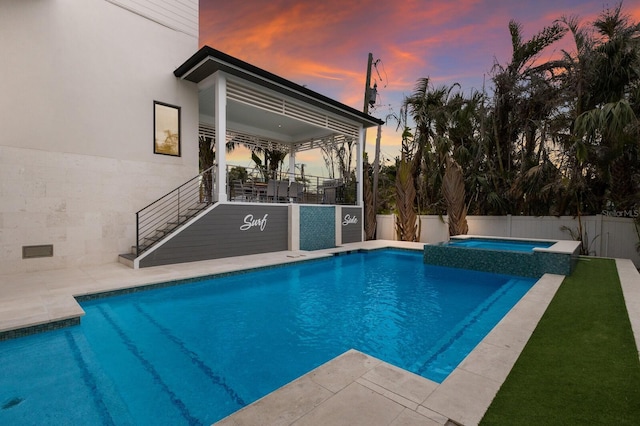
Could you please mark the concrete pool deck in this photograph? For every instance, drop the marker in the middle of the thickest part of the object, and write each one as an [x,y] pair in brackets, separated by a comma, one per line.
[351,389]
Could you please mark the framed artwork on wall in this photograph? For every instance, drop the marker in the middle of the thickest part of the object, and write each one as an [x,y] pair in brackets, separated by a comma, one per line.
[166,123]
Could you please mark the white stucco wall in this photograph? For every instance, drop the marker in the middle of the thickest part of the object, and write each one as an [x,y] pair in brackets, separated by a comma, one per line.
[78,81]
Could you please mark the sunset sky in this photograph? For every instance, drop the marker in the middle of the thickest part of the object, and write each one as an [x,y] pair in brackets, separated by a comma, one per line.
[324,44]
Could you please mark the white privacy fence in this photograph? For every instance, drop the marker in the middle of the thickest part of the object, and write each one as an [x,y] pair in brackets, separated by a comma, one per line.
[607,236]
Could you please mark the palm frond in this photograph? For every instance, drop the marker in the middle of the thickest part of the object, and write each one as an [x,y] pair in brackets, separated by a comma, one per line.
[406,227]
[454,195]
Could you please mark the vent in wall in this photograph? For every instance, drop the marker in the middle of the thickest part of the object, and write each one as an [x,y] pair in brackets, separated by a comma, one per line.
[31,252]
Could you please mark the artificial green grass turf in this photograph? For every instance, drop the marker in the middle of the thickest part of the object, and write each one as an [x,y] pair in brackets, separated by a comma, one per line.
[580,366]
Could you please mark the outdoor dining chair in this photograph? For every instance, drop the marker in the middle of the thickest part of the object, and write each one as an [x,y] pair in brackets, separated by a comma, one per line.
[237,193]
[296,191]
[271,190]
[283,190]
[242,191]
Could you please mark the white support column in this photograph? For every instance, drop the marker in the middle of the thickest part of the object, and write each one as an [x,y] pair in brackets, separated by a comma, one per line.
[220,82]
[359,153]
[338,225]
[292,165]
[294,227]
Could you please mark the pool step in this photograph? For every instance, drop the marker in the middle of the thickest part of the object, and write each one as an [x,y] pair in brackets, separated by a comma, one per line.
[178,375]
[465,330]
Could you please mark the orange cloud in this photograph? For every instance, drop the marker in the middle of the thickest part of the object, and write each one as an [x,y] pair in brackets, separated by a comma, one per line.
[324,45]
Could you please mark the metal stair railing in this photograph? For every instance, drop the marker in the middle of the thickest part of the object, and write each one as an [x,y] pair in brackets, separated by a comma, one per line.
[164,215]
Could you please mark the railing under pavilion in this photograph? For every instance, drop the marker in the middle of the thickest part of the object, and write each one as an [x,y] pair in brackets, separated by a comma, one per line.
[245,184]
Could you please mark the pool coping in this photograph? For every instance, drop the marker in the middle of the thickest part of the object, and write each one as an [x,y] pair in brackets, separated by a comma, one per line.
[363,385]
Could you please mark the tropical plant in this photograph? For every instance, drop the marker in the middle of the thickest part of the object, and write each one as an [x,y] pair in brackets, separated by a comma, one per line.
[431,109]
[273,160]
[406,218]
[238,173]
[522,100]
[206,159]
[580,234]
[369,208]
[605,75]
[557,136]
[454,195]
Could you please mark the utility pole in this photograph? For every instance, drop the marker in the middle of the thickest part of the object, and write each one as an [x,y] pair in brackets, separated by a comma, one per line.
[367,88]
[370,94]
[376,168]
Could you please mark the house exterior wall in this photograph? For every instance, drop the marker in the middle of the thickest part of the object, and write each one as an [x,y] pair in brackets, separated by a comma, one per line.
[178,15]
[78,82]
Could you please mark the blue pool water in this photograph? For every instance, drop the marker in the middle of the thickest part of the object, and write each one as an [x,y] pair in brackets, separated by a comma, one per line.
[194,353]
[504,245]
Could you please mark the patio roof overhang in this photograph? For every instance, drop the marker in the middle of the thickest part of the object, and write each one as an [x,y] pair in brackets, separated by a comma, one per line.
[266,110]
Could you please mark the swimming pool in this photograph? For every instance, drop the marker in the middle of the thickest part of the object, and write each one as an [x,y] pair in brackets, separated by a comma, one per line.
[192,354]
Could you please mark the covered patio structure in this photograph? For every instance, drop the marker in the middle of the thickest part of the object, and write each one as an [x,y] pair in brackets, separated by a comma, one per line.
[242,104]
[267,210]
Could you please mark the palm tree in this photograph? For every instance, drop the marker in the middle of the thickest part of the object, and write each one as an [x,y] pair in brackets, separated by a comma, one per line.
[521,99]
[206,159]
[431,110]
[405,192]
[557,137]
[606,131]
[273,160]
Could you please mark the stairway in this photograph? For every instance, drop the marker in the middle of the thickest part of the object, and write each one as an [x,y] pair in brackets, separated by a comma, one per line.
[160,233]
[158,220]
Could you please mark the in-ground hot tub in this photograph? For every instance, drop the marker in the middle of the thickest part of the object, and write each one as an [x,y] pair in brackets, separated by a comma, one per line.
[513,256]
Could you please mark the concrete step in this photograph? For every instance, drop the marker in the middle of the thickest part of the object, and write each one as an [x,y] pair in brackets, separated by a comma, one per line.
[127,259]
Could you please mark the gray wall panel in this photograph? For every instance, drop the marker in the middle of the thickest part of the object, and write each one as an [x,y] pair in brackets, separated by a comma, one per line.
[218,234]
[351,224]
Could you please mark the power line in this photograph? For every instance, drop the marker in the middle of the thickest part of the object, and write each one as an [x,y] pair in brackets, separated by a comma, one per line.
[386,78]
